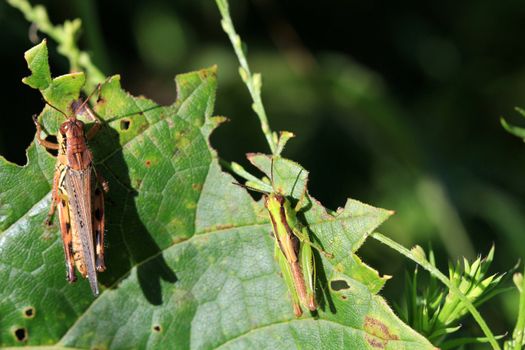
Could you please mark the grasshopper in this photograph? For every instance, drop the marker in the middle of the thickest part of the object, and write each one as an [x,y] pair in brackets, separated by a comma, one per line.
[80,210]
[293,249]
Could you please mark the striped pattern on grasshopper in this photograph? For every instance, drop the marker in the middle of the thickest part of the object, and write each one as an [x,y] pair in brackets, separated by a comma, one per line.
[78,194]
[293,251]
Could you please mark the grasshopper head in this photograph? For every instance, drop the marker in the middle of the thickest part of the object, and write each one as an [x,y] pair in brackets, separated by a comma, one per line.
[72,128]
[274,201]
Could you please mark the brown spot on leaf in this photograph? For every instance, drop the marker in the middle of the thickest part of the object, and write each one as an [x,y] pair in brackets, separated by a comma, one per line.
[142,127]
[223,227]
[374,342]
[157,328]
[179,239]
[196,187]
[339,267]
[206,73]
[378,333]
[148,163]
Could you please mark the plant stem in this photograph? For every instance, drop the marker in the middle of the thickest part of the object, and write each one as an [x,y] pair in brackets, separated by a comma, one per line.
[65,35]
[252,81]
[520,323]
[421,260]
[87,9]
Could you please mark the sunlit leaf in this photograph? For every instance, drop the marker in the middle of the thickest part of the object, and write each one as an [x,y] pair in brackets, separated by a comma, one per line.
[190,259]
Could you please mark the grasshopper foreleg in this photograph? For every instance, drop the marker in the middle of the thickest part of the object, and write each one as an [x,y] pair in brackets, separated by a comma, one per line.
[43,142]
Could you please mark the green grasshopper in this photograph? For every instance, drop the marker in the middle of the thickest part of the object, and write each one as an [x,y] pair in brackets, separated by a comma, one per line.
[79,200]
[293,249]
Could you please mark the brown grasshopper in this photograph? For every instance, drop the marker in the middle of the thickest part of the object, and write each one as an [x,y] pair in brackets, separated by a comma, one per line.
[80,210]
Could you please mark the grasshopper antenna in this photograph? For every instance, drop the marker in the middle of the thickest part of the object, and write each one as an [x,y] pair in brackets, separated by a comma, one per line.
[87,99]
[56,108]
[99,85]
[271,173]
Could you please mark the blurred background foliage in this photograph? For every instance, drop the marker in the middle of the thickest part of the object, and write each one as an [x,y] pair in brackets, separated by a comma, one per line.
[394,104]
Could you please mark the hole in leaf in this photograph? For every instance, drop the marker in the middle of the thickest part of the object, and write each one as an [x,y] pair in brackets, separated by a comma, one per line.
[157,328]
[21,334]
[125,124]
[52,138]
[337,285]
[29,312]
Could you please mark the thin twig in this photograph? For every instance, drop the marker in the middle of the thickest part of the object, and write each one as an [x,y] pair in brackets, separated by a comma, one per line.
[252,81]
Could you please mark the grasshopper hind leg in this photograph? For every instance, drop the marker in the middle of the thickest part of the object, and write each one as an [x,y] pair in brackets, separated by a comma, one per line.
[67,240]
[288,279]
[54,198]
[98,227]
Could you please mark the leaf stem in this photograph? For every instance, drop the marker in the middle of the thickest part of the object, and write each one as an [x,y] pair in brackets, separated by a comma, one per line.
[252,81]
[421,260]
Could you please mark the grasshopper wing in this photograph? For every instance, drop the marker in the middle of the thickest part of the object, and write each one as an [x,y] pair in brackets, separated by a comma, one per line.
[78,185]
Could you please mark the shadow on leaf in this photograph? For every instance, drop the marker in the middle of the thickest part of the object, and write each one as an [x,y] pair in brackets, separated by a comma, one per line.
[130,243]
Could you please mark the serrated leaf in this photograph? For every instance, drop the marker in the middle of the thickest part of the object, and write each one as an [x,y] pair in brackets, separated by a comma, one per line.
[36,59]
[190,261]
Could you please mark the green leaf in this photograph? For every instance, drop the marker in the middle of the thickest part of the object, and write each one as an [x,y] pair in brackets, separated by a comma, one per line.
[37,61]
[189,255]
